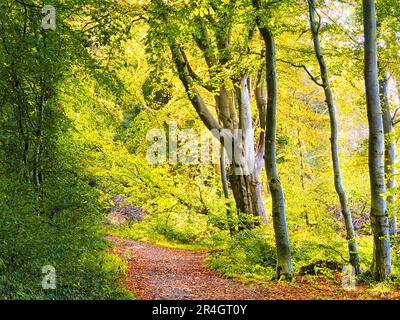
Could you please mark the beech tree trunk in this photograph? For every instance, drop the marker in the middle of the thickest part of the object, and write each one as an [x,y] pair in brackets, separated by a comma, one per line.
[379,215]
[284,259]
[390,147]
[252,160]
[350,234]
[225,187]
[246,186]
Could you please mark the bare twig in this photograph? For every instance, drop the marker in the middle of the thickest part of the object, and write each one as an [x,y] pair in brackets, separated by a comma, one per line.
[28,4]
[394,116]
[314,79]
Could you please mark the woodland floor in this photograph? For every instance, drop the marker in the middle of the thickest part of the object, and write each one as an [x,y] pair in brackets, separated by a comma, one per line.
[158,273]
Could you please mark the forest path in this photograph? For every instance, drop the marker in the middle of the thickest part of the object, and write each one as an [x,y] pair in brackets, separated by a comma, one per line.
[158,273]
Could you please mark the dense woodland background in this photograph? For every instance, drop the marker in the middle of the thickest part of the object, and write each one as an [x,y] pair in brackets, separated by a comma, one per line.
[78,102]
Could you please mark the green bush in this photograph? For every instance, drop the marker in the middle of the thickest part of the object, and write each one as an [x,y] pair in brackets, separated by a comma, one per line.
[249,253]
[58,229]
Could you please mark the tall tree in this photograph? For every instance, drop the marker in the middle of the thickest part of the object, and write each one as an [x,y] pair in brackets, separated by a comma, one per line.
[390,146]
[379,215]
[212,35]
[284,259]
[388,53]
[350,234]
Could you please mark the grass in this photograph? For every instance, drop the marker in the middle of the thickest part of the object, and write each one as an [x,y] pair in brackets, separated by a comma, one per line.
[180,237]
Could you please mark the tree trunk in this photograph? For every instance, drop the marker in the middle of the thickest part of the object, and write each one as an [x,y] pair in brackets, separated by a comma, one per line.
[302,174]
[252,163]
[37,173]
[350,234]
[244,181]
[246,186]
[25,142]
[390,148]
[225,187]
[379,215]
[284,259]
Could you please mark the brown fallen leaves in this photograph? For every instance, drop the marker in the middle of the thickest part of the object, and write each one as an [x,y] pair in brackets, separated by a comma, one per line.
[158,273]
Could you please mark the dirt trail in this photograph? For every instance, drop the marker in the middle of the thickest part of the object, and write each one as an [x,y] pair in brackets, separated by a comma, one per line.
[158,273]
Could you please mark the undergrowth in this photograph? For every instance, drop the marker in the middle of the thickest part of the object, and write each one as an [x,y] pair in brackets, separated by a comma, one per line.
[250,255]
[61,232]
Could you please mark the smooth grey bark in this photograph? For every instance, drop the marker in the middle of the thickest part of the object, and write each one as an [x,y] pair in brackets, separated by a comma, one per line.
[246,187]
[350,234]
[225,185]
[284,258]
[390,147]
[225,188]
[245,184]
[302,173]
[246,124]
[253,163]
[379,215]
[261,102]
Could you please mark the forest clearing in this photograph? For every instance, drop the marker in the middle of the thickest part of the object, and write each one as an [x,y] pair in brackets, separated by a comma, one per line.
[199,150]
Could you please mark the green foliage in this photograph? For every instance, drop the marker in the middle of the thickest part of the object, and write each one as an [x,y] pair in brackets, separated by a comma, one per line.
[61,233]
[174,230]
[77,104]
[250,254]
[49,213]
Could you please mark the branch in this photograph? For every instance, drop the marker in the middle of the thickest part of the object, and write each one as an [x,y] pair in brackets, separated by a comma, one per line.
[306,70]
[193,74]
[311,5]
[193,95]
[204,44]
[261,106]
[394,116]
[334,250]
[333,20]
[28,4]
[302,33]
